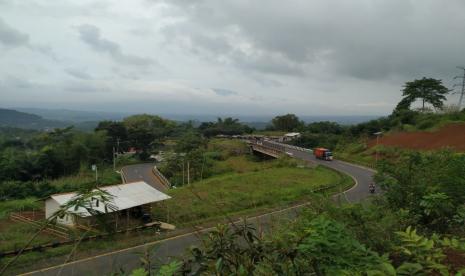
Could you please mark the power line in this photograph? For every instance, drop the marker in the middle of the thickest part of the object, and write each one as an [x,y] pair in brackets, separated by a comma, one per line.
[462,92]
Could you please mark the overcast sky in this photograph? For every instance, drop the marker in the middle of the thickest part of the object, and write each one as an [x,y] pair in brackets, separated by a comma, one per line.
[260,57]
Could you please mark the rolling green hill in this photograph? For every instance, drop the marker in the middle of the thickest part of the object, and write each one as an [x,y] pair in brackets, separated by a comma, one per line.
[17,119]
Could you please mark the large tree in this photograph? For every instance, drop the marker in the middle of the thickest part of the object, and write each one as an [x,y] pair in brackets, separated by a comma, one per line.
[146,131]
[288,122]
[428,90]
[226,126]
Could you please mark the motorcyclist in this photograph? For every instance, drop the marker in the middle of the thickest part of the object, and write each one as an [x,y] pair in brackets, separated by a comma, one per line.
[372,188]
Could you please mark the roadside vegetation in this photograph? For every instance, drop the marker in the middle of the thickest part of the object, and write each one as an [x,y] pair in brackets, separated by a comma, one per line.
[414,228]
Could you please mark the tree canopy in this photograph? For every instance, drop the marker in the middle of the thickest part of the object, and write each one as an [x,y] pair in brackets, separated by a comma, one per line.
[226,126]
[428,90]
[288,122]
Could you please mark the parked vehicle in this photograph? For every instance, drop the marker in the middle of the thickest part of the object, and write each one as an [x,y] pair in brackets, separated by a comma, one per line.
[324,154]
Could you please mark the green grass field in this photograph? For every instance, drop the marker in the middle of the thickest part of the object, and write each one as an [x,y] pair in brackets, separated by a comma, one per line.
[251,191]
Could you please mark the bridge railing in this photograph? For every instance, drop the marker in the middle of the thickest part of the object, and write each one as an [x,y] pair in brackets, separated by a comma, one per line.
[285,146]
[163,179]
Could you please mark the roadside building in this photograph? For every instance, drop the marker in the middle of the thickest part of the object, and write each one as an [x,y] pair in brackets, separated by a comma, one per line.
[290,136]
[132,202]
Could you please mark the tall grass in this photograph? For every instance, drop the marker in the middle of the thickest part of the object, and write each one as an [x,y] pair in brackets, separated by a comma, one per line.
[106,176]
[237,192]
[6,207]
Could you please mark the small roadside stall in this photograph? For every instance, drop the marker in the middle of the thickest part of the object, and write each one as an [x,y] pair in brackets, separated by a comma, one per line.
[132,206]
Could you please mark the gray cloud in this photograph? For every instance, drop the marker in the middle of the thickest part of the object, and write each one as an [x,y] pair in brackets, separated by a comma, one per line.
[224,92]
[11,37]
[366,40]
[266,56]
[90,35]
[79,74]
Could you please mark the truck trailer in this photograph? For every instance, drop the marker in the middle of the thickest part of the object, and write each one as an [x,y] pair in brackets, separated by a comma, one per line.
[324,154]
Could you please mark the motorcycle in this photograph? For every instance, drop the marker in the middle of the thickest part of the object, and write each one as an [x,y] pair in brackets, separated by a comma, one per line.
[372,189]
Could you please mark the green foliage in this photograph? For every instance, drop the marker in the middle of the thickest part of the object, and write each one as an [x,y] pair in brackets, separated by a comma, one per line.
[430,185]
[18,189]
[226,126]
[325,127]
[437,209]
[169,269]
[6,207]
[421,253]
[288,122]
[139,272]
[319,246]
[429,90]
[116,137]
[145,132]
[332,250]
[189,141]
[311,140]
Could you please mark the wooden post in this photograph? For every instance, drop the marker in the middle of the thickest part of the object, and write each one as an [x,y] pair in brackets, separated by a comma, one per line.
[116,221]
[167,213]
[127,220]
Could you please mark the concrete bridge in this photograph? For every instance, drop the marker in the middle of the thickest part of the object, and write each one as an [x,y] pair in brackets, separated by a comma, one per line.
[275,149]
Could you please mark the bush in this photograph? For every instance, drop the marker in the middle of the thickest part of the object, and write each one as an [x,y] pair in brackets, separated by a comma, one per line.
[6,207]
[19,190]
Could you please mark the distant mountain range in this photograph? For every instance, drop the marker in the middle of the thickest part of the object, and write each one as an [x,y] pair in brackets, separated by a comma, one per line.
[42,119]
[18,119]
[72,115]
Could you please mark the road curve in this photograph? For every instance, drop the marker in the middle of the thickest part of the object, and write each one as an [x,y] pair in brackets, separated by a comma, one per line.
[144,172]
[363,176]
[111,262]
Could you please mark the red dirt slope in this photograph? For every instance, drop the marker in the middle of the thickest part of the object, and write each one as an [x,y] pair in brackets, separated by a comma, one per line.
[452,136]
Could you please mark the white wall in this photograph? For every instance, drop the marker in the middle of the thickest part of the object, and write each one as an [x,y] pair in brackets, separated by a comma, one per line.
[51,206]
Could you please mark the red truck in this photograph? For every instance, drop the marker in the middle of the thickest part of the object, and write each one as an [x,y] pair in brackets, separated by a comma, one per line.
[324,154]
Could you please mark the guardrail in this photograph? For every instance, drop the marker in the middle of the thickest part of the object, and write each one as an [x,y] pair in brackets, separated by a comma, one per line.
[279,146]
[163,179]
[289,146]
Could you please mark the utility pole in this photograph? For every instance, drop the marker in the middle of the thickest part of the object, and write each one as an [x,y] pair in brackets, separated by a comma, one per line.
[377,141]
[183,173]
[94,168]
[114,159]
[188,174]
[462,92]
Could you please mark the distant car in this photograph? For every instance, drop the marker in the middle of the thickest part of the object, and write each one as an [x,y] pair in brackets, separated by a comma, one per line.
[289,153]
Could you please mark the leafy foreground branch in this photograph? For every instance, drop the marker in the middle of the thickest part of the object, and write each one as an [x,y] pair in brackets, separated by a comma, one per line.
[319,246]
[85,201]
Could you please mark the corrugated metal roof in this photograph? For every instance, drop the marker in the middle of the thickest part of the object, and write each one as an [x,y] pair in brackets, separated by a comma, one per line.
[125,196]
[292,134]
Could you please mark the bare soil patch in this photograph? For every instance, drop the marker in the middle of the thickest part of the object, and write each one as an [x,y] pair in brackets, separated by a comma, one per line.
[449,136]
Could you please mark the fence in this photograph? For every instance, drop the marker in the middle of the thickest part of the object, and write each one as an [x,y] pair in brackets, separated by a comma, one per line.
[41,247]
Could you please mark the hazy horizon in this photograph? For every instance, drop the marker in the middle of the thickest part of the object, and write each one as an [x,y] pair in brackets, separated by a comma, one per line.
[95,115]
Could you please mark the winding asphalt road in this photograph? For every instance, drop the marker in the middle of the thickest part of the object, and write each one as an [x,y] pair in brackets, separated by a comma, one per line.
[144,172]
[363,176]
[129,258]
